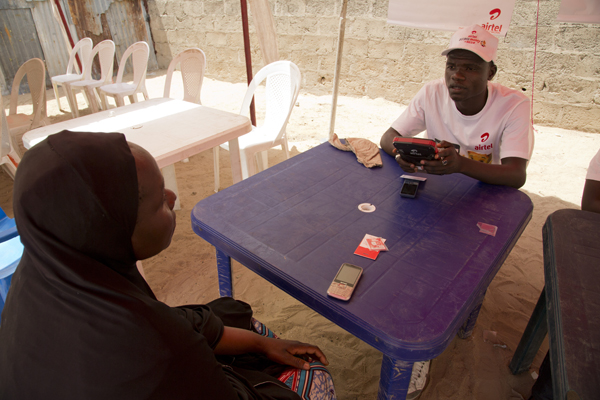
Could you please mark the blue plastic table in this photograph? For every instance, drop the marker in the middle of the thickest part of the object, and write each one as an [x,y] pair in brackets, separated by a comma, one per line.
[295,223]
[569,306]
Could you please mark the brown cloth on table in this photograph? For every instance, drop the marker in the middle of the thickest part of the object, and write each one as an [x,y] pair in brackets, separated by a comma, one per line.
[367,152]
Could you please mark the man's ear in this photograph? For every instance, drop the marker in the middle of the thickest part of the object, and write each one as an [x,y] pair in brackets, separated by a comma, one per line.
[493,70]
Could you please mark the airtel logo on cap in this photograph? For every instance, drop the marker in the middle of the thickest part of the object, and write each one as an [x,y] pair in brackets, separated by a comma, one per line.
[495,13]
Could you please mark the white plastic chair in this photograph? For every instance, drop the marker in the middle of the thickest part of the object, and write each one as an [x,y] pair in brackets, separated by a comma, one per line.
[139,53]
[84,49]
[106,54]
[282,88]
[19,123]
[9,159]
[192,64]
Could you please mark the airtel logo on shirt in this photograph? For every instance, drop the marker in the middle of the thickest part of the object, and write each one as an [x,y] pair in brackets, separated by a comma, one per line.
[484,137]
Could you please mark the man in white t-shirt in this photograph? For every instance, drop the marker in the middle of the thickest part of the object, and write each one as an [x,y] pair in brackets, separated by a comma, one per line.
[487,123]
[590,200]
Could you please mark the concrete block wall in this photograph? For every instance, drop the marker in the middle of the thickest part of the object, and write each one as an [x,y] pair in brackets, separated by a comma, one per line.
[389,61]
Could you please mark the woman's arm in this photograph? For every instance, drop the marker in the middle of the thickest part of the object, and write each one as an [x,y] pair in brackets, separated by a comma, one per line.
[239,341]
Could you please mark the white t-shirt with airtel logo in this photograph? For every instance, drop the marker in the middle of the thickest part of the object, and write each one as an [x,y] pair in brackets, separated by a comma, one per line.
[593,172]
[501,129]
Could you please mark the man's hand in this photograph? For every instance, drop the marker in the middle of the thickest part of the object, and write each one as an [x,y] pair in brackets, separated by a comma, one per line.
[447,160]
[405,165]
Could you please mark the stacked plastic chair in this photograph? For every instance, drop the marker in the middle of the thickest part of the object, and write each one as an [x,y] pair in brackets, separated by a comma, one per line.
[105,50]
[84,49]
[139,53]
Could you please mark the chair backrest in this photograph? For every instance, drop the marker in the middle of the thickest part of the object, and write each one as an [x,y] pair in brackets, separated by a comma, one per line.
[35,70]
[106,54]
[282,89]
[193,64]
[84,48]
[139,52]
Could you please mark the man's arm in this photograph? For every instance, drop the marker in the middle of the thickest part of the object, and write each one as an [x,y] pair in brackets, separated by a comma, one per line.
[511,172]
[591,196]
[387,140]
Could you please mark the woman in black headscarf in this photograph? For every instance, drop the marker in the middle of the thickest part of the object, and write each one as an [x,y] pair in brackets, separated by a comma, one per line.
[80,322]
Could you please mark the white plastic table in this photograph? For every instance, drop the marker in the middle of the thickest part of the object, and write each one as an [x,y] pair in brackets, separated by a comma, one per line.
[171,130]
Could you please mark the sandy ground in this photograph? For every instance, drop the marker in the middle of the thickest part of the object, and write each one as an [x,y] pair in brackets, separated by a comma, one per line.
[474,368]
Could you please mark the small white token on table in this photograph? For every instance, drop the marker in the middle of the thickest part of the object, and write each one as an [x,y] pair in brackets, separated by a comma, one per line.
[366,207]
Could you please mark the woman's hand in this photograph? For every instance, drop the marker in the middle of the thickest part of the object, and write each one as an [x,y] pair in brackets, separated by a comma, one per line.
[236,341]
[294,353]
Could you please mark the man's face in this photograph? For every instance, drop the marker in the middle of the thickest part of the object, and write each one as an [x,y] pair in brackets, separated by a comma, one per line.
[155,223]
[466,77]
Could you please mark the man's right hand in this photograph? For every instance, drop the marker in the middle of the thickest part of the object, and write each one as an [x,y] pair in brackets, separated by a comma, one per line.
[405,165]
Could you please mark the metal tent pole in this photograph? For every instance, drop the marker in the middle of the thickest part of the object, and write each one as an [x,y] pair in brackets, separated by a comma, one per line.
[338,66]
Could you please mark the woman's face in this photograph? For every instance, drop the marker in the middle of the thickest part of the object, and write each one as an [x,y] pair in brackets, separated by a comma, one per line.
[155,223]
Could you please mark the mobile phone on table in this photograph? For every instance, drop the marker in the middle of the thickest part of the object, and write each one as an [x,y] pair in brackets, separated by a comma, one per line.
[414,150]
[409,188]
[345,281]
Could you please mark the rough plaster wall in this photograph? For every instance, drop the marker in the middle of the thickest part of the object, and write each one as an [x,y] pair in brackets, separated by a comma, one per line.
[393,62]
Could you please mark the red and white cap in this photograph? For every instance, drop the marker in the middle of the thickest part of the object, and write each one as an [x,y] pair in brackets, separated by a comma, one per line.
[476,39]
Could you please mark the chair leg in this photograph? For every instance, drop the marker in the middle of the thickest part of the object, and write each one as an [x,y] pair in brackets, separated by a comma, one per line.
[104,101]
[263,160]
[217,168]
[72,98]
[285,147]
[56,96]
[92,99]
[119,100]
[248,163]
[245,164]
[133,98]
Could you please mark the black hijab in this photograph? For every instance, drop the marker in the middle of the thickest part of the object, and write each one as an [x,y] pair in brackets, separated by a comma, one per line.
[80,322]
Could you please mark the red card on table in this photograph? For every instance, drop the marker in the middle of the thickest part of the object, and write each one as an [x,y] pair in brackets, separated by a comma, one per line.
[370,247]
[487,228]
[365,252]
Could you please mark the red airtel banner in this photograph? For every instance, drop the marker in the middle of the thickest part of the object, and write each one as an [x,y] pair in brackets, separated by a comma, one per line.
[450,15]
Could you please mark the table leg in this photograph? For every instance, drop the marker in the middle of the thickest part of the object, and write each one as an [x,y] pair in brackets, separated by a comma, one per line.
[394,378]
[171,183]
[234,156]
[467,329]
[224,271]
[532,338]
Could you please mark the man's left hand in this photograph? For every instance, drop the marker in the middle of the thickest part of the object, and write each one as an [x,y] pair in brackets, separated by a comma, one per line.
[447,160]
